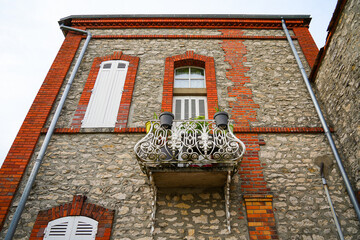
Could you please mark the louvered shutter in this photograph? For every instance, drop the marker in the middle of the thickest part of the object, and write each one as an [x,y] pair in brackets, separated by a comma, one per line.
[84,228]
[189,107]
[71,228]
[106,96]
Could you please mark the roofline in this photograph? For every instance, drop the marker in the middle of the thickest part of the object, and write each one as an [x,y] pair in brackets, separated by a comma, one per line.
[331,29]
[67,20]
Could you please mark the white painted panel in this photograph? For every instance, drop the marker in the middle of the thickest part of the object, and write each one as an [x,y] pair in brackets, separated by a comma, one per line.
[71,228]
[186,111]
[106,96]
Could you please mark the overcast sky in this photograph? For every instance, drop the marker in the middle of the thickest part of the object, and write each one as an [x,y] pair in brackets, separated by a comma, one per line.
[30,38]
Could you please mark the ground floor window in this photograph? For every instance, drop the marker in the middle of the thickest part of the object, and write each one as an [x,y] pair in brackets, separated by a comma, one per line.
[71,228]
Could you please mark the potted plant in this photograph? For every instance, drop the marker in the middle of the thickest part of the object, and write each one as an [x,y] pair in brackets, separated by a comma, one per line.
[221,118]
[166,120]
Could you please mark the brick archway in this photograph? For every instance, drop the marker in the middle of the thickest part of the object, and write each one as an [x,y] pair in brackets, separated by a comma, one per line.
[78,207]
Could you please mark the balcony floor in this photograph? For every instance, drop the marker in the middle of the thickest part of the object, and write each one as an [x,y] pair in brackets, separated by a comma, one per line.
[183,177]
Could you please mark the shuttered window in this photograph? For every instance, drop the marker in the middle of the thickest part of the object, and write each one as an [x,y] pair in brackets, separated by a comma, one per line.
[71,228]
[106,95]
[189,107]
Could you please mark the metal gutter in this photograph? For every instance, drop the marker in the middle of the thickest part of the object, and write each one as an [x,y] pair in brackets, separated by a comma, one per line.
[38,161]
[323,123]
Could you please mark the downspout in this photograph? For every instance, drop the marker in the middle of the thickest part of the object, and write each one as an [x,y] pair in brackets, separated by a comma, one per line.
[323,123]
[338,227]
[25,195]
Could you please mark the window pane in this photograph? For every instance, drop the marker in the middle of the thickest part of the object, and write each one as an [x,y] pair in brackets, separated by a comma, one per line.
[193,108]
[186,109]
[182,73]
[178,109]
[107,66]
[197,84]
[202,107]
[181,83]
[197,73]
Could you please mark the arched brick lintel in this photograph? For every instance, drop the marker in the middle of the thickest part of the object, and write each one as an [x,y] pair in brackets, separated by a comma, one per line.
[78,207]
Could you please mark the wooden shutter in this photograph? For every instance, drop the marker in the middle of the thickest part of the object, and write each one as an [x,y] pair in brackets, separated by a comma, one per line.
[189,107]
[71,228]
[106,95]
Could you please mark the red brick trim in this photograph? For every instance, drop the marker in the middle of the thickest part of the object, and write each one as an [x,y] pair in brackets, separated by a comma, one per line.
[236,130]
[21,151]
[243,109]
[191,37]
[307,44]
[78,207]
[190,58]
[126,96]
[186,23]
[260,216]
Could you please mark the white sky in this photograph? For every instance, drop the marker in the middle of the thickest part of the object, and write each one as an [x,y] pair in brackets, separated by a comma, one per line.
[30,38]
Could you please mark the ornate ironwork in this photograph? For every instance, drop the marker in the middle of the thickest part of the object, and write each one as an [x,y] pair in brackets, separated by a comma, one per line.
[227,200]
[190,143]
[153,204]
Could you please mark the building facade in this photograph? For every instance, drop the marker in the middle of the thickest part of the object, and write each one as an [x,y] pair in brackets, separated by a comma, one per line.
[135,66]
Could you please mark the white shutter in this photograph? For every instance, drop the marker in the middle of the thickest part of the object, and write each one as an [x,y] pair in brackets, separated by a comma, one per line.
[106,96]
[189,107]
[84,228]
[71,228]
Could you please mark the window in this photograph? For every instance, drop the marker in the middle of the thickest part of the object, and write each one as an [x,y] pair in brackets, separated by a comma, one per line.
[71,228]
[192,82]
[189,77]
[189,107]
[106,95]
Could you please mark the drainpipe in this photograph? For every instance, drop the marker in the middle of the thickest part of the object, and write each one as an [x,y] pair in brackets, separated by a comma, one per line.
[338,227]
[323,123]
[24,196]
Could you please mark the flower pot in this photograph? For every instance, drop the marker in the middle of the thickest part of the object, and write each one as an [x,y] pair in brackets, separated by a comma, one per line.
[221,119]
[166,120]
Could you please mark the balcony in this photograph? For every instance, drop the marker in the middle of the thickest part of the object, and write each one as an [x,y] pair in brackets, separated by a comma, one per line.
[191,153]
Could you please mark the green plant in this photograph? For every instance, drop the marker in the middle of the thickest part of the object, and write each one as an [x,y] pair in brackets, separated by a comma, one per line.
[155,116]
[218,108]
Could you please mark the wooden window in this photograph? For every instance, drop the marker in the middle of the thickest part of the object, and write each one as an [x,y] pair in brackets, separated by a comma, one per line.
[106,95]
[189,107]
[71,228]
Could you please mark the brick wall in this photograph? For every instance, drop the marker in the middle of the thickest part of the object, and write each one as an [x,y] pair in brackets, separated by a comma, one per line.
[23,147]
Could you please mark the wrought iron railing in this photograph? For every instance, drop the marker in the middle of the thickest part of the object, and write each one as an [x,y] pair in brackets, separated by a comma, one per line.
[189,143]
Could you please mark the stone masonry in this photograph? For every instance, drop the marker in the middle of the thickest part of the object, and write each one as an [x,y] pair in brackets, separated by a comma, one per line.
[338,87]
[101,164]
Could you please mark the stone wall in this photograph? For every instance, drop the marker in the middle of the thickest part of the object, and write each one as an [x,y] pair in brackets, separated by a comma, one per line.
[300,203]
[338,87]
[104,168]
[271,63]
